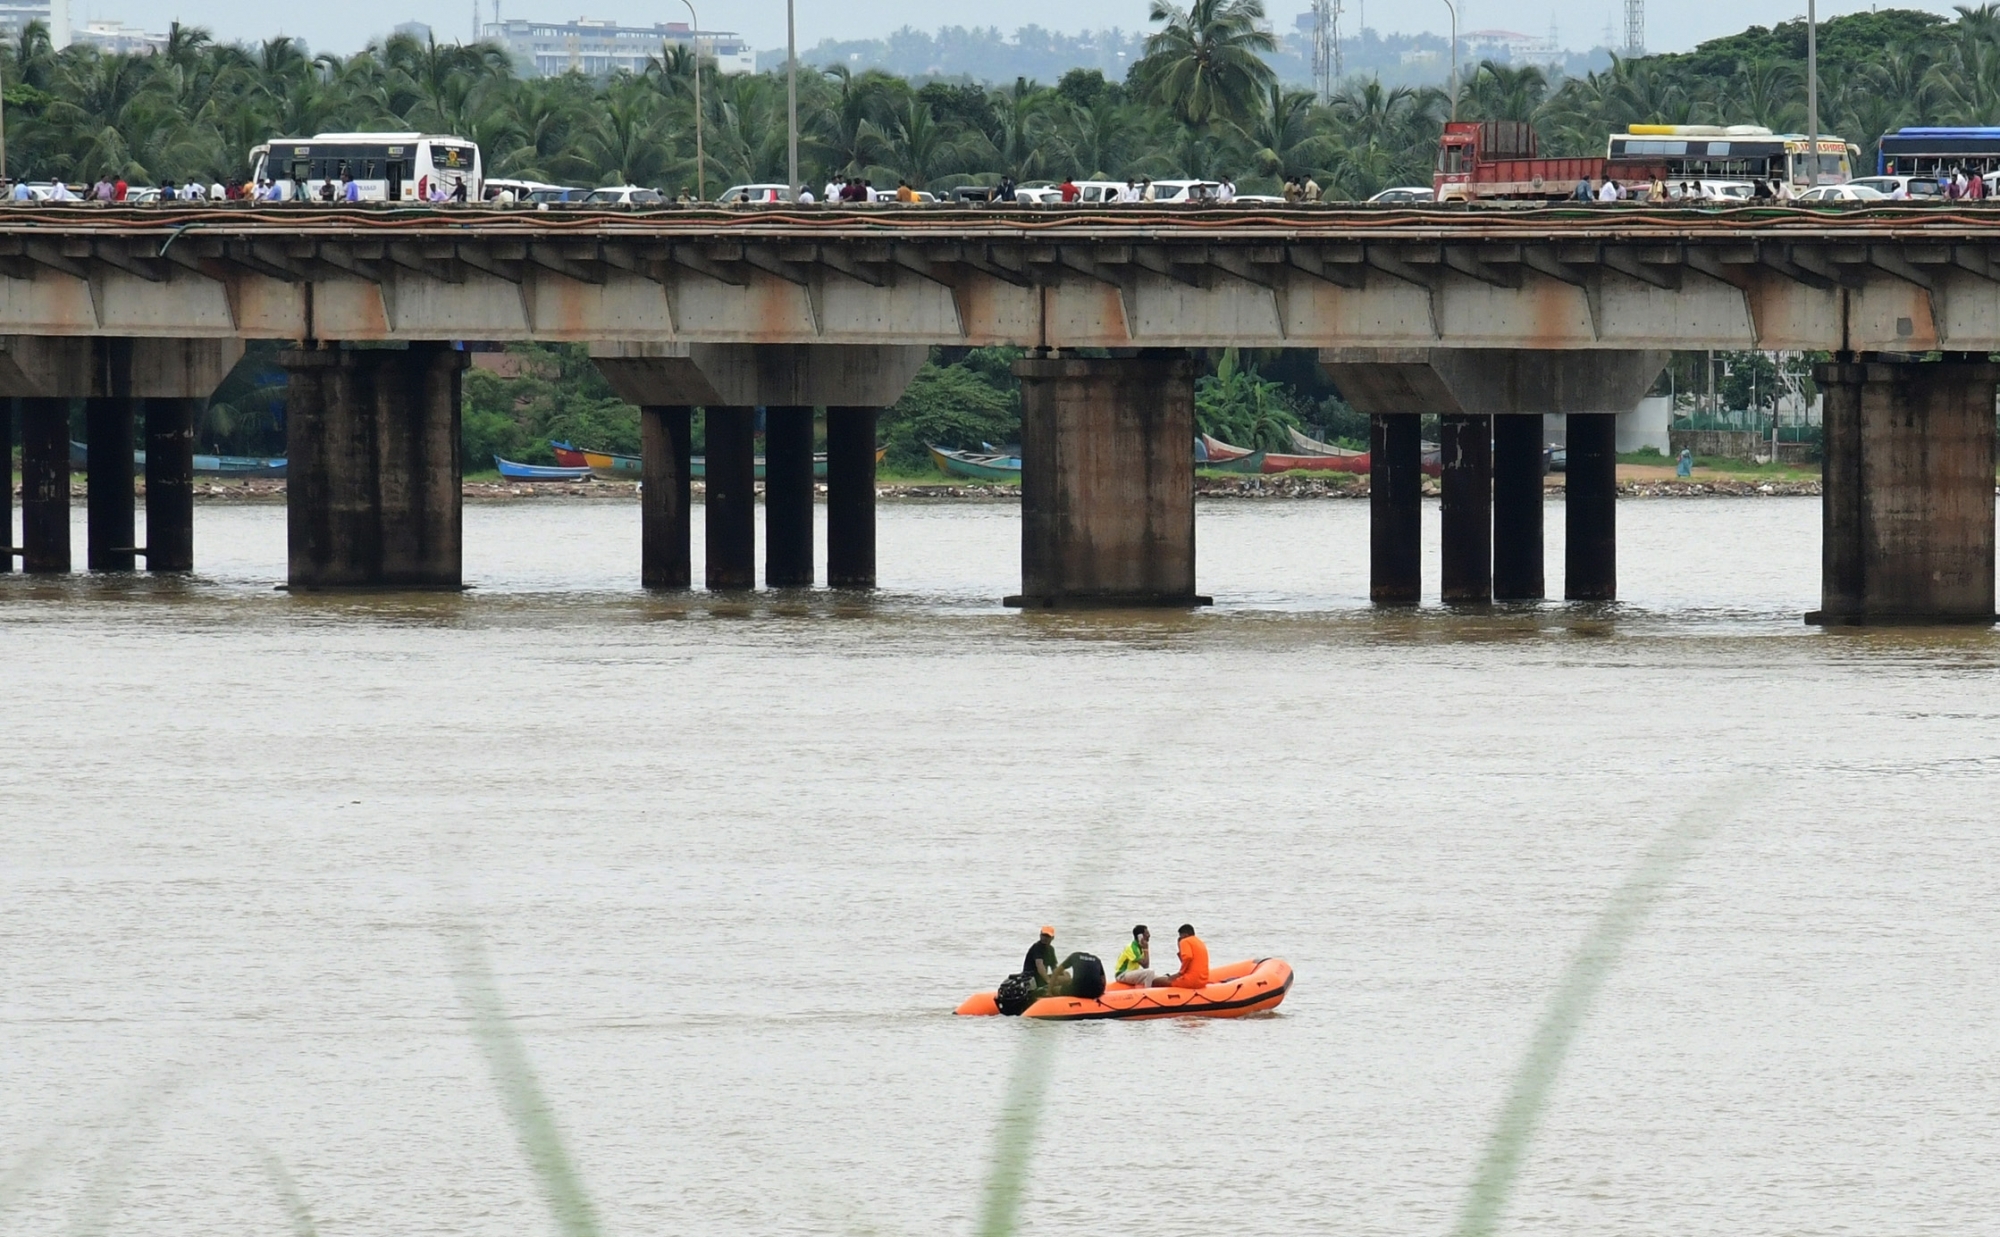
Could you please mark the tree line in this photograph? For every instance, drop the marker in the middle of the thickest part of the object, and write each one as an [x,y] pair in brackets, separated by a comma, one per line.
[1202,101]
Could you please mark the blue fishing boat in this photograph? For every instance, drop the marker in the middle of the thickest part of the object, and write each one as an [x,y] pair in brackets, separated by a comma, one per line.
[511,471]
[204,465]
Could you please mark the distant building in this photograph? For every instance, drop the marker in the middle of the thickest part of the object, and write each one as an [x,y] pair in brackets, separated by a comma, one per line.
[16,14]
[1512,47]
[118,39]
[600,48]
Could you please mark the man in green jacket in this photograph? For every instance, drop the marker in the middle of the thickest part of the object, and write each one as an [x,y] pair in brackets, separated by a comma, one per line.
[1135,965]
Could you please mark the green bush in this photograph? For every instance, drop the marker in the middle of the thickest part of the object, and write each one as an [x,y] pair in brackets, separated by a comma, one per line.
[961,405]
[1241,409]
[559,395]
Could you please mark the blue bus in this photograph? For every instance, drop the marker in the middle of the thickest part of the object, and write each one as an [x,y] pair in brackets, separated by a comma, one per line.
[1926,152]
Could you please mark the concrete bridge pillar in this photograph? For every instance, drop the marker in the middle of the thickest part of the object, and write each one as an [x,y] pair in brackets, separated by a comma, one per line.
[1512,388]
[170,426]
[1466,508]
[374,473]
[1107,482]
[731,469]
[850,498]
[1395,509]
[1908,482]
[109,501]
[665,523]
[1590,507]
[788,381]
[788,497]
[1517,509]
[45,485]
[116,377]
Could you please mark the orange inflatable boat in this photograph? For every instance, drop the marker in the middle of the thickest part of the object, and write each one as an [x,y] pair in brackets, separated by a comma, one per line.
[1233,991]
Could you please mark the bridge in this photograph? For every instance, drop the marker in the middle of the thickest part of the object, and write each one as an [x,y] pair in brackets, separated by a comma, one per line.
[1487,317]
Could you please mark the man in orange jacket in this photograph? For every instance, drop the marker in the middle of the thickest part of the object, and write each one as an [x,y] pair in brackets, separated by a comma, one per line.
[1194,963]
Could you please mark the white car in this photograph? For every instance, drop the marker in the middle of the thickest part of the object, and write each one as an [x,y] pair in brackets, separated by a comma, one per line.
[1037,193]
[1186,190]
[625,195]
[1704,190]
[1914,186]
[1259,199]
[1841,193]
[1404,195]
[751,195]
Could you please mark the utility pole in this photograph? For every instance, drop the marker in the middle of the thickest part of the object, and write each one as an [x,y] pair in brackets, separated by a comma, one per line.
[700,158]
[1812,90]
[792,98]
[1453,82]
[1326,48]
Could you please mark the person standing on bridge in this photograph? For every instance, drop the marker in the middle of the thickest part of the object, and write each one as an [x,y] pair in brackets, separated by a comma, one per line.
[1610,192]
[1068,191]
[1582,191]
[350,188]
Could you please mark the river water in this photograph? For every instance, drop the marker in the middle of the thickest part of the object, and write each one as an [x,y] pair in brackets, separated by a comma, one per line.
[730,864]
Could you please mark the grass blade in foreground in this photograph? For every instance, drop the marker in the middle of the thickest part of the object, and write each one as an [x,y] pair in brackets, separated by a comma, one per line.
[521,1093]
[1571,1002]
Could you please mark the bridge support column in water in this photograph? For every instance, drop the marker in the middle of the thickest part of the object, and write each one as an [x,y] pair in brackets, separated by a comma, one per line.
[665,526]
[109,502]
[850,498]
[731,478]
[44,485]
[1908,483]
[170,425]
[1466,509]
[788,497]
[1590,508]
[1107,481]
[1517,508]
[849,380]
[1395,509]
[374,473]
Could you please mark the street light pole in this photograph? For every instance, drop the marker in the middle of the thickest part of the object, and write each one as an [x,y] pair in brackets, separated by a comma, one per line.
[1452,83]
[792,99]
[700,160]
[1812,89]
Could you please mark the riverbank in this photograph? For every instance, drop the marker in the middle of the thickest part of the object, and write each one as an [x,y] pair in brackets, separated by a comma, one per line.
[1211,486]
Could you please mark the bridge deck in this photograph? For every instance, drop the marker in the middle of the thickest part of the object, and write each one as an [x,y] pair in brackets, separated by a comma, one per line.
[1873,278]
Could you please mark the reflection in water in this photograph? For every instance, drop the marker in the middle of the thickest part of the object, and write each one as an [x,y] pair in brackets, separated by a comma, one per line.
[735,859]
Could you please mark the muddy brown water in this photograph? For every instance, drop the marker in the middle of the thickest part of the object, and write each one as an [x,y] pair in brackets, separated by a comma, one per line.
[733,862]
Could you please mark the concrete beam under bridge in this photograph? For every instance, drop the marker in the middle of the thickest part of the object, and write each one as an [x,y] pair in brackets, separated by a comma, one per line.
[851,381]
[1489,382]
[76,367]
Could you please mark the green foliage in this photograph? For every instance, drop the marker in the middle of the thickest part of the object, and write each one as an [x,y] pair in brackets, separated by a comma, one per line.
[559,394]
[245,415]
[1240,408]
[963,404]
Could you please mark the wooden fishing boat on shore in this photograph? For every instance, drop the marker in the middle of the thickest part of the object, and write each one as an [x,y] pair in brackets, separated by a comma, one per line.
[1249,462]
[1303,445]
[630,467]
[511,471]
[1220,452]
[204,465]
[975,465]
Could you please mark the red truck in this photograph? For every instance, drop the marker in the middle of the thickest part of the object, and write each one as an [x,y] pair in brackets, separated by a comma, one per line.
[1498,159]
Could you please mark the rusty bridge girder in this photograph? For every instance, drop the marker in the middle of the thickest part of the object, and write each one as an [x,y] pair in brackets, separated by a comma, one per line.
[1875,280]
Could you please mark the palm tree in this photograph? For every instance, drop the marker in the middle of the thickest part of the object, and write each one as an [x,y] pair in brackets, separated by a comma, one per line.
[1206,64]
[1503,92]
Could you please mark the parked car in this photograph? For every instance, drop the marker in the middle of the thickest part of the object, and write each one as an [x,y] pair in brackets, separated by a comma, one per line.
[1849,192]
[625,195]
[1260,199]
[1037,192]
[751,195]
[556,193]
[1915,186]
[1404,195]
[973,195]
[1185,190]
[1705,190]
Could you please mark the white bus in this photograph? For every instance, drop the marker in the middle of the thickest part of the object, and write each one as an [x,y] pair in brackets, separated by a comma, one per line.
[386,167]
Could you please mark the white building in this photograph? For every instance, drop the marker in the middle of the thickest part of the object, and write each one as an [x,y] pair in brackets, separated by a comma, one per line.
[118,39]
[600,48]
[16,14]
